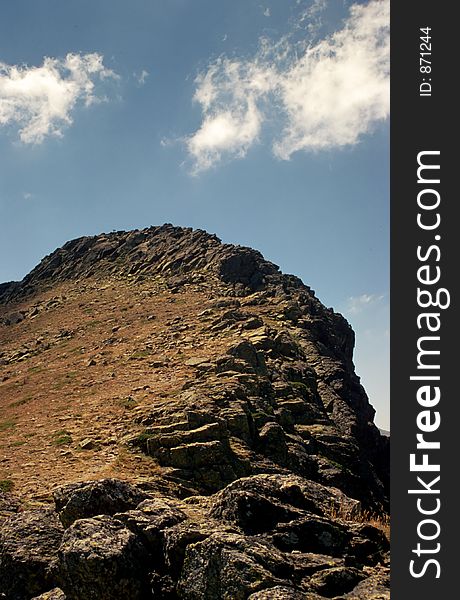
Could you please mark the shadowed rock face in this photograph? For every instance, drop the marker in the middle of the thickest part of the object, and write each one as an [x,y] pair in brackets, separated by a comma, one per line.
[269,443]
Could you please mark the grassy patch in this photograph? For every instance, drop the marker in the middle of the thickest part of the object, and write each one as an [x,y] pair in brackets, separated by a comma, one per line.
[140,355]
[9,424]
[61,438]
[140,441]
[94,323]
[6,485]
[22,401]
[335,464]
[63,381]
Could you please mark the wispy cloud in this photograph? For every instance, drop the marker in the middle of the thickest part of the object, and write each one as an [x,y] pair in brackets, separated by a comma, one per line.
[318,96]
[267,12]
[229,94]
[28,196]
[358,304]
[316,7]
[39,101]
[311,17]
[142,76]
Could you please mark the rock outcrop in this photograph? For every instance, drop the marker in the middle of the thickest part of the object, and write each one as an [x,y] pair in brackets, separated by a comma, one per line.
[263,536]
[268,475]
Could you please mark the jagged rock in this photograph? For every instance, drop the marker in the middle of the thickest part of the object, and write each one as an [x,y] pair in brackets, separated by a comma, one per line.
[100,558]
[90,498]
[285,345]
[205,433]
[368,544]
[182,535]
[312,534]
[229,567]
[375,587]
[246,352]
[54,594]
[211,464]
[9,505]
[272,440]
[260,502]
[149,521]
[333,582]
[87,444]
[29,543]
[253,506]
[163,587]
[283,593]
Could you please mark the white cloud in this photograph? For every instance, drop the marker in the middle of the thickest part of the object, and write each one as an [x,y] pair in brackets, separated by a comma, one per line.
[267,12]
[318,96]
[142,76]
[357,304]
[338,89]
[28,196]
[39,101]
[228,94]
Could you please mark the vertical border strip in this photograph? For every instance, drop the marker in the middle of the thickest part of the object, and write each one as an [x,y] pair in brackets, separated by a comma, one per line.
[424,287]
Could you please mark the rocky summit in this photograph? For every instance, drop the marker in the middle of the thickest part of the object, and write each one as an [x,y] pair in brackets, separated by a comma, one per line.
[180,420]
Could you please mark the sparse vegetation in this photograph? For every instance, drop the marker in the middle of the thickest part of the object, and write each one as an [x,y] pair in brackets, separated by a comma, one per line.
[140,354]
[140,441]
[6,485]
[300,387]
[128,402]
[22,401]
[381,520]
[61,438]
[8,424]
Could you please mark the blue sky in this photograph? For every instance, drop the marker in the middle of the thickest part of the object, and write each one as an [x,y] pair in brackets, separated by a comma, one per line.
[263,122]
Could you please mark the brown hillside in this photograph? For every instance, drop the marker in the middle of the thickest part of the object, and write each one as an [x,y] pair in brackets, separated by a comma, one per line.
[182,365]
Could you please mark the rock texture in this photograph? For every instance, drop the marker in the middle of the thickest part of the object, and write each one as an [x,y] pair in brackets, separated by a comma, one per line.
[244,459]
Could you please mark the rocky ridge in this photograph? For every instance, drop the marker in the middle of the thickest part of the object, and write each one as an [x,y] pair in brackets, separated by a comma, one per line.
[263,458]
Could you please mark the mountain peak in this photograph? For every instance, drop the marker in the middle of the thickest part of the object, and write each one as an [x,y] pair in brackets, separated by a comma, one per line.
[160,250]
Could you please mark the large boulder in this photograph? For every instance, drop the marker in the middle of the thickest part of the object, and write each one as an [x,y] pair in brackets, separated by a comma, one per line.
[101,559]
[374,587]
[336,581]
[29,543]
[228,566]
[91,498]
[149,521]
[182,535]
[258,503]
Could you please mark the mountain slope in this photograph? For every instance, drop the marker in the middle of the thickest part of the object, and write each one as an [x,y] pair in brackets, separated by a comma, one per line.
[167,359]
